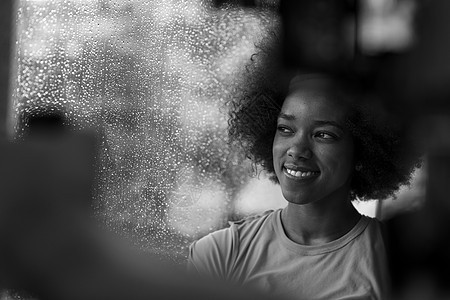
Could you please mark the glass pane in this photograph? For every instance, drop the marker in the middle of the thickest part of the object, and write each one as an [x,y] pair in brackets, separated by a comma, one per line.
[153,76]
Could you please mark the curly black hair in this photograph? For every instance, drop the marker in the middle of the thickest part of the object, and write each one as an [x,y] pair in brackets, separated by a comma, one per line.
[386,155]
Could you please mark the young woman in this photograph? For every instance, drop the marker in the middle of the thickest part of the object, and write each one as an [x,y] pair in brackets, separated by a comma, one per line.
[325,147]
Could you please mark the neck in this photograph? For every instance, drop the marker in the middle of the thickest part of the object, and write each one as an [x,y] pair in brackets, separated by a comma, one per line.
[319,223]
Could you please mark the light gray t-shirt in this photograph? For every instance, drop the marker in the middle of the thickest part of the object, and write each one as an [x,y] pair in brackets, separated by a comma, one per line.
[256,252]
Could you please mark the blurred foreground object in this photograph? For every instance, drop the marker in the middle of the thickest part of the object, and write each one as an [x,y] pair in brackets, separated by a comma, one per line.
[50,243]
[6,34]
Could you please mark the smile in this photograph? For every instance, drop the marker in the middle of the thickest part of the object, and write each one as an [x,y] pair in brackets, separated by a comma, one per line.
[300,174]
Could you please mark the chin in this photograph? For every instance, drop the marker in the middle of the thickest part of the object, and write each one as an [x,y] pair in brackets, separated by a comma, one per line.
[296,198]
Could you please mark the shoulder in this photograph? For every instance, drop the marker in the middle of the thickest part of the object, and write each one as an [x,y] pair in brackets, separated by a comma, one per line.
[373,262]
[252,222]
[246,230]
[368,233]
[230,237]
[216,252]
[374,227]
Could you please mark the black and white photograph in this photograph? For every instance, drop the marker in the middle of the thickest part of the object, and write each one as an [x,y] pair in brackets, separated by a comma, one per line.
[224,149]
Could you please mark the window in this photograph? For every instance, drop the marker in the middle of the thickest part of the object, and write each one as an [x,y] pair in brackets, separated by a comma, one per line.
[153,76]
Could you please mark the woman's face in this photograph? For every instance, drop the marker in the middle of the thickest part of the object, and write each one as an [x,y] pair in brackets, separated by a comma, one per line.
[313,153]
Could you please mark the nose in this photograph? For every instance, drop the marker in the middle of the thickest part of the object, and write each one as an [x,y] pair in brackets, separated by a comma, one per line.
[300,149]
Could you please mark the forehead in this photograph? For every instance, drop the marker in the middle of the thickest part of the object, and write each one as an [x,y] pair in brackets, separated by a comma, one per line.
[316,98]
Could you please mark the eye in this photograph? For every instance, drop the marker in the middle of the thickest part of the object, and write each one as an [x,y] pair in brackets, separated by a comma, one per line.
[284,129]
[326,135]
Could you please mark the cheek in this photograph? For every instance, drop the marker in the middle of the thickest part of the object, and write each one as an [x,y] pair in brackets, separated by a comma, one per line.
[343,161]
[277,152]
[338,160]
[278,149]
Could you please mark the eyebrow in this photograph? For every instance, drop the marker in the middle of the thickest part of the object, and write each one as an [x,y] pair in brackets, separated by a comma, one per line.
[318,122]
[286,117]
[330,123]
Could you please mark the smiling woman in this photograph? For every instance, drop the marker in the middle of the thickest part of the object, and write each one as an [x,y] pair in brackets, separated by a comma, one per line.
[313,153]
[325,145]
[385,156]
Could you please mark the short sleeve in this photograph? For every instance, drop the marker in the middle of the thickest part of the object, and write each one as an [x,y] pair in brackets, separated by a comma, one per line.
[214,254]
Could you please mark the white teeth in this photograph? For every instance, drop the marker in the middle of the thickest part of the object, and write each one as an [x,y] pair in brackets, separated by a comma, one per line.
[299,174]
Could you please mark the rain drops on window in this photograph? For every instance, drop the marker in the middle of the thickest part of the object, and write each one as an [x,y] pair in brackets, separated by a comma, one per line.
[153,77]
